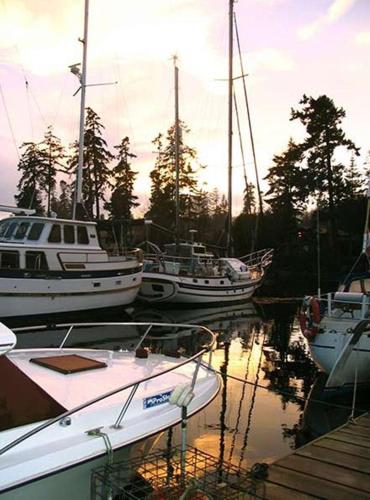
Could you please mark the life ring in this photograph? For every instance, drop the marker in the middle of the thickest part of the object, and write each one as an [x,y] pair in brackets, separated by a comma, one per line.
[309,317]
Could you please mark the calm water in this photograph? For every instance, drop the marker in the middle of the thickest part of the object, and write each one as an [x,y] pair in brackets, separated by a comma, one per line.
[258,418]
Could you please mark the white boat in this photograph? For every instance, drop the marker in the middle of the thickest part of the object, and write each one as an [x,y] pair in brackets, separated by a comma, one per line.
[339,341]
[54,265]
[66,411]
[187,274]
[50,265]
[337,326]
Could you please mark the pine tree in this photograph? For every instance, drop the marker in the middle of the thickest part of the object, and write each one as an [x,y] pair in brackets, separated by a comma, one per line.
[54,154]
[34,178]
[163,177]
[122,199]
[95,171]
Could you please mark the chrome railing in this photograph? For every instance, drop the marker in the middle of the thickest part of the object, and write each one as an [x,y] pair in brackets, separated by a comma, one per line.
[133,385]
[333,302]
[261,258]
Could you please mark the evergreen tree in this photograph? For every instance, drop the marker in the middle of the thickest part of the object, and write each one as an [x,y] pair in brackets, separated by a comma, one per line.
[249,199]
[322,120]
[122,199]
[95,171]
[62,206]
[163,177]
[34,178]
[54,154]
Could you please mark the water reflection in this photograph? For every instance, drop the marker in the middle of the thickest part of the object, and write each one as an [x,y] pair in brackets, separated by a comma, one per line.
[265,407]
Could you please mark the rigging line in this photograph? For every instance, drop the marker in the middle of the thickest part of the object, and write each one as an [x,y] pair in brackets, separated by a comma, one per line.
[9,121]
[240,141]
[232,446]
[249,117]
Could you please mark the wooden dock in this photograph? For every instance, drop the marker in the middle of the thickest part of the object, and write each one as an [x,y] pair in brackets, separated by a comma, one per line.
[334,466]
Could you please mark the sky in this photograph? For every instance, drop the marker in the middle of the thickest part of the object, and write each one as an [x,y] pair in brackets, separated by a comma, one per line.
[289,48]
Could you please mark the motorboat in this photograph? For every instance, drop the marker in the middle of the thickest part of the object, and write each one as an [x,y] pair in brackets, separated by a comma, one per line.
[64,411]
[50,265]
[187,273]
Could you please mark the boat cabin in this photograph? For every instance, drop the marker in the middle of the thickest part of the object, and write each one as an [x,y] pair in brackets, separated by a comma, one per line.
[187,250]
[42,243]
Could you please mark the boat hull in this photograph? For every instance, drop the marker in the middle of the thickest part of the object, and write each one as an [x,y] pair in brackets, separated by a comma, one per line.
[37,296]
[161,287]
[327,346]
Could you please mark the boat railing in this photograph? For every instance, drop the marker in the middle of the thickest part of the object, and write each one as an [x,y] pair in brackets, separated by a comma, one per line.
[64,417]
[336,304]
[205,264]
[261,258]
[128,254]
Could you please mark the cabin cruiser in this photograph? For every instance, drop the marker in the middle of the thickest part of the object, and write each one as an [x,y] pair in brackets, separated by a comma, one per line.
[186,273]
[50,265]
[64,411]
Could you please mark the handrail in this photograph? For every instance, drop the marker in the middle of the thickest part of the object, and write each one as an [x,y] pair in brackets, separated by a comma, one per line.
[108,394]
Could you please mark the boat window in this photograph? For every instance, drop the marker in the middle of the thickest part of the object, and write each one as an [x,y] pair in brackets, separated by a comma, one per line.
[69,233]
[36,260]
[22,230]
[10,230]
[55,234]
[35,231]
[3,228]
[199,250]
[82,237]
[9,260]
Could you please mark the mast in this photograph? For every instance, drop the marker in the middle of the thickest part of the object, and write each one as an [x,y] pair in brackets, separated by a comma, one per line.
[78,189]
[177,152]
[230,128]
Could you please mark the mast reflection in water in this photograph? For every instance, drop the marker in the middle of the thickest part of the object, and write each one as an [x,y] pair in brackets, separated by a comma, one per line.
[249,420]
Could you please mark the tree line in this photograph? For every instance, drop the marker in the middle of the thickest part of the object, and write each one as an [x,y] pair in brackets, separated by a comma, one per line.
[314,187]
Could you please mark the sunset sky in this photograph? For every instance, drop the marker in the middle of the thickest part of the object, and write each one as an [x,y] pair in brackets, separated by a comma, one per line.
[290,47]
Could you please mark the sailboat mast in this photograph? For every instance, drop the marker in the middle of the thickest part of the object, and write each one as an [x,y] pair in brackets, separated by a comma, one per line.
[78,189]
[177,152]
[230,127]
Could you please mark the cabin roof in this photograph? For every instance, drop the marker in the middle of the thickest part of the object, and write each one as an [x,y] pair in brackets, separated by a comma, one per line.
[52,220]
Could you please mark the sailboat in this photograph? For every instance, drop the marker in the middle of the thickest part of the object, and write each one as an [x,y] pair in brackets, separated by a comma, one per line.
[50,265]
[337,326]
[186,272]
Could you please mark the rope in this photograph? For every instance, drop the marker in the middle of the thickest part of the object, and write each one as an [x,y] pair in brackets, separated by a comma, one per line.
[286,393]
[9,121]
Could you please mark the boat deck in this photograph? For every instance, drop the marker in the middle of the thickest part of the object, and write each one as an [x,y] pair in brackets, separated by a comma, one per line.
[334,466]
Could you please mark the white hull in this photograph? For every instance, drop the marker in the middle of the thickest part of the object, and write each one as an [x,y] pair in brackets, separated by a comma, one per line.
[163,287]
[326,348]
[35,296]
[57,462]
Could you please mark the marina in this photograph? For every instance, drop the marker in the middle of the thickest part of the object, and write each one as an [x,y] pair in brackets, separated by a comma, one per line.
[184,281]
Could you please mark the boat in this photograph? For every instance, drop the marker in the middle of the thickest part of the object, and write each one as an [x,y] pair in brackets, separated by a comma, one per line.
[186,272]
[50,265]
[337,326]
[67,410]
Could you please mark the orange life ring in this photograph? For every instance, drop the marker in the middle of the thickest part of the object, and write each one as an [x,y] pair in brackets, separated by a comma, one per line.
[309,317]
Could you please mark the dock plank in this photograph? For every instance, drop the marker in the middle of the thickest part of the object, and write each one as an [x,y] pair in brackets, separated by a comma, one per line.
[364,420]
[350,438]
[274,491]
[342,446]
[319,488]
[357,431]
[332,473]
[335,457]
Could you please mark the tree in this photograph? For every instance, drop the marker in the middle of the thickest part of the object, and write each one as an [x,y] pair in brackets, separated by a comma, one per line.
[163,177]
[62,206]
[33,182]
[122,199]
[249,199]
[95,171]
[322,120]
[54,154]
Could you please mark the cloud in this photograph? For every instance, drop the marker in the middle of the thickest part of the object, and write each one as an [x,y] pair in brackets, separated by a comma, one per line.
[363,38]
[336,10]
[269,59]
